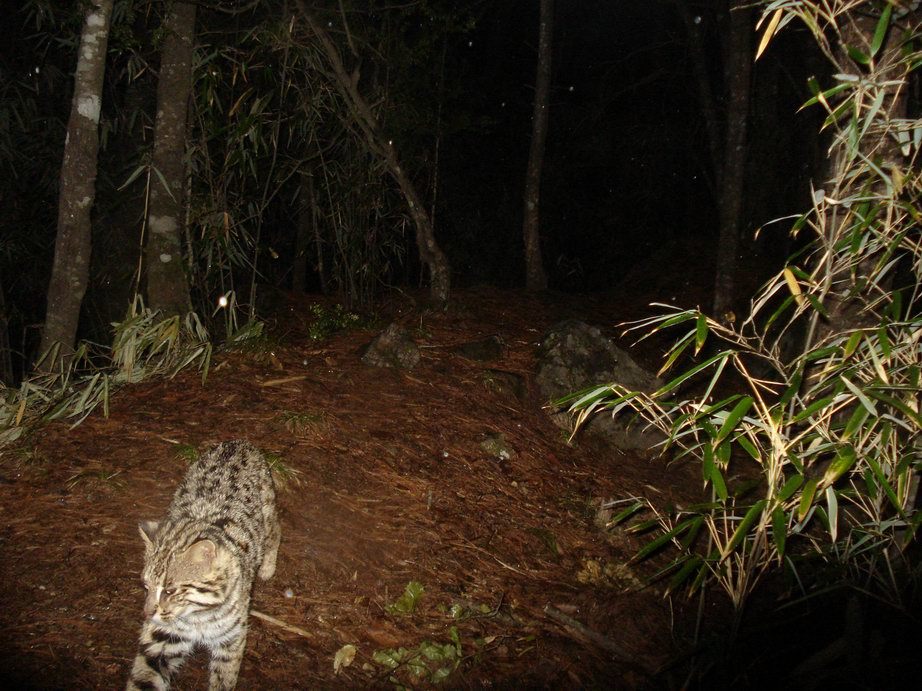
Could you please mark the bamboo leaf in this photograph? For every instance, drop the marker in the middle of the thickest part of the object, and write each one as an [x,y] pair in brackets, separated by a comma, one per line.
[779,312]
[627,513]
[832,504]
[743,528]
[818,404]
[587,397]
[769,32]
[901,406]
[643,526]
[884,484]
[691,564]
[793,388]
[857,55]
[793,285]
[859,394]
[701,333]
[132,177]
[717,480]
[881,30]
[806,499]
[733,418]
[854,422]
[871,114]
[851,345]
[749,448]
[822,516]
[688,374]
[817,305]
[673,356]
[707,462]
[677,319]
[792,484]
[658,543]
[822,96]
[885,346]
[703,571]
[163,182]
[689,538]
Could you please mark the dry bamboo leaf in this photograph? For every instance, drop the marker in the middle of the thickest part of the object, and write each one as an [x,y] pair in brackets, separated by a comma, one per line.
[769,32]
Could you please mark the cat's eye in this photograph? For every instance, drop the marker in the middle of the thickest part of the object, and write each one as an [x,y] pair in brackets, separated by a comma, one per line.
[169,591]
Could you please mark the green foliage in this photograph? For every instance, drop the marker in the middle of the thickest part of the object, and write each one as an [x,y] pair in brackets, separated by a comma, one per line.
[276,147]
[300,422]
[101,477]
[188,453]
[328,321]
[145,345]
[283,473]
[406,603]
[817,390]
[430,662]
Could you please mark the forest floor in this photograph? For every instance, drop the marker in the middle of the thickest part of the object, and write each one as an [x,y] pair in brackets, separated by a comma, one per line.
[387,484]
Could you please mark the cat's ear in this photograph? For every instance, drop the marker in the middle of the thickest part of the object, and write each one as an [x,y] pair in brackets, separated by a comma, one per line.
[148,530]
[202,553]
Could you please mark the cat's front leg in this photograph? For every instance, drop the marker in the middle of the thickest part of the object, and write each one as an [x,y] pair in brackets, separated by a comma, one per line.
[225,663]
[160,654]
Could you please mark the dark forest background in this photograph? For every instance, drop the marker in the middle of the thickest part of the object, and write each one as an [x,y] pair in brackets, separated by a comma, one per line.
[629,187]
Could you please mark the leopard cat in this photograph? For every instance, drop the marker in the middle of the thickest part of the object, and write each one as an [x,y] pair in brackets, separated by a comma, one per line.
[221,529]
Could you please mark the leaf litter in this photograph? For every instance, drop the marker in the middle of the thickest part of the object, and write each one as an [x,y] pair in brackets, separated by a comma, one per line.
[392,489]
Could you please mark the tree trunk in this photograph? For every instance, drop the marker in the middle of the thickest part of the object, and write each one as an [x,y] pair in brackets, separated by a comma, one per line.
[308,230]
[118,242]
[737,72]
[6,354]
[706,100]
[430,253]
[535,276]
[167,283]
[77,190]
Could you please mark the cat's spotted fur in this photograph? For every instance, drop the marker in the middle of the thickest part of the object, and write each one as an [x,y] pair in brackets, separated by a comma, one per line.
[220,531]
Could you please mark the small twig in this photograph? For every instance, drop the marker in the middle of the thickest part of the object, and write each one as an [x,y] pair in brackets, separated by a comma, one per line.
[284,380]
[584,632]
[281,624]
[471,545]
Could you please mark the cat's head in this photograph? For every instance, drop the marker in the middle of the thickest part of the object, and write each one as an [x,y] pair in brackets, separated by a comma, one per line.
[181,581]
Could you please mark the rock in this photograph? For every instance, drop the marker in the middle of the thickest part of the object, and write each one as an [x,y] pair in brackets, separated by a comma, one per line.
[574,356]
[508,384]
[393,347]
[496,445]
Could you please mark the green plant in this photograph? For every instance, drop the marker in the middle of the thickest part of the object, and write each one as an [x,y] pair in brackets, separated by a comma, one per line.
[298,423]
[103,477]
[329,320]
[430,661]
[284,474]
[815,395]
[187,453]
[144,345]
[406,603]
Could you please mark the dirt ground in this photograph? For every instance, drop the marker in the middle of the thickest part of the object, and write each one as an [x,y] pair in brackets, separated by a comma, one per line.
[388,483]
